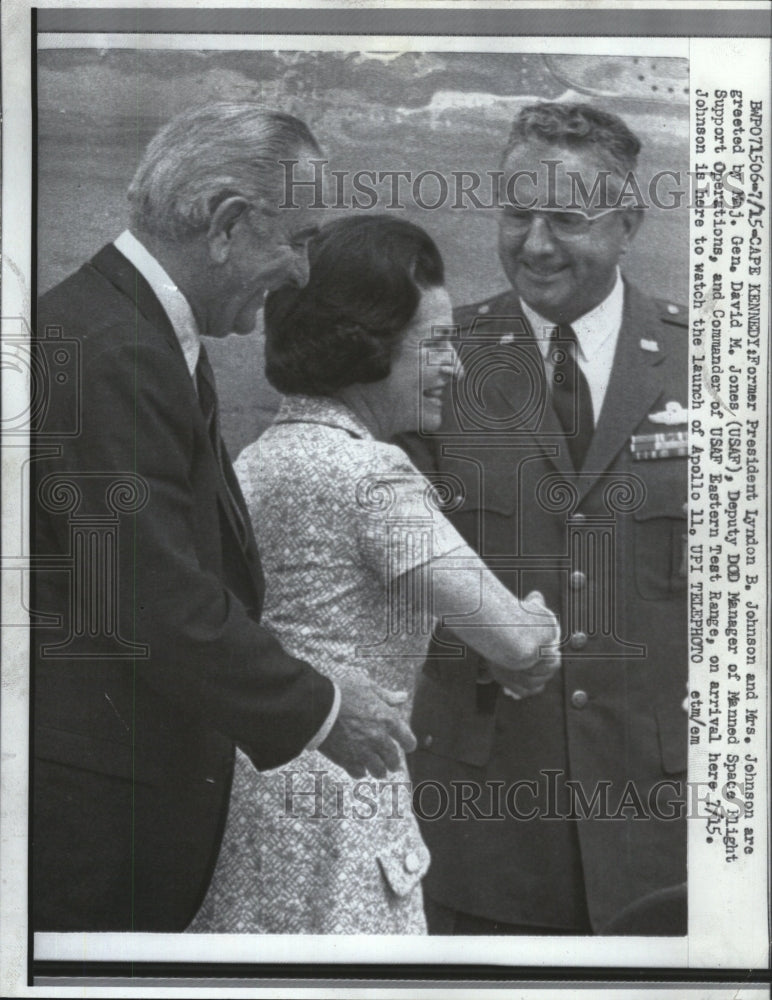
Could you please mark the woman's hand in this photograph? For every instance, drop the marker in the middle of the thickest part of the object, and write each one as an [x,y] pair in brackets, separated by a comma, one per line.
[539,658]
[517,639]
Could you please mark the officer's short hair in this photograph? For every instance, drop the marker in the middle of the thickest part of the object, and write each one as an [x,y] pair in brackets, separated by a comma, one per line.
[366,277]
[576,126]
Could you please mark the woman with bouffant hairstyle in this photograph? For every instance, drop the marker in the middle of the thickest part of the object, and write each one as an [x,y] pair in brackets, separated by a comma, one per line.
[359,561]
[367,274]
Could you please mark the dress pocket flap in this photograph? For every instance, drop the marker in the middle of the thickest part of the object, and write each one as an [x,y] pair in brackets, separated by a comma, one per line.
[404,863]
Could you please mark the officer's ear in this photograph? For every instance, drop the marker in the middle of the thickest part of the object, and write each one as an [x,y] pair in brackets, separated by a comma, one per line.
[631,221]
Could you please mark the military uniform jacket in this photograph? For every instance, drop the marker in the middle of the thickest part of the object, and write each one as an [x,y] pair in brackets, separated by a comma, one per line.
[574,794]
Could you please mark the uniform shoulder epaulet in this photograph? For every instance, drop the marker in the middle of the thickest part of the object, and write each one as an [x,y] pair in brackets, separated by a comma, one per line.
[672,313]
[466,313]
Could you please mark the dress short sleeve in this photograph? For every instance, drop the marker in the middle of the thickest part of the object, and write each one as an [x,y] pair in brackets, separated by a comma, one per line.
[397,515]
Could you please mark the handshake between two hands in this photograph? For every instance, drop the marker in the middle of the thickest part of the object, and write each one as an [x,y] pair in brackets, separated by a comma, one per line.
[538,658]
[369,730]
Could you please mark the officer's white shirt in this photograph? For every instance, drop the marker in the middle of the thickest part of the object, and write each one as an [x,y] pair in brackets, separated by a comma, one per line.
[597,333]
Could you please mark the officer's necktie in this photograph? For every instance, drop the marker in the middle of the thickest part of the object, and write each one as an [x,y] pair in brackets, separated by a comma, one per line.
[571,398]
[207,397]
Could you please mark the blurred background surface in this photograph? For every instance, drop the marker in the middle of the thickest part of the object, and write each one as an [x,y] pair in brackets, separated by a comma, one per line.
[97,109]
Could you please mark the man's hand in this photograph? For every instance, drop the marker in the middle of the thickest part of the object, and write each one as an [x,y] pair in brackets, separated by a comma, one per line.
[540,658]
[527,683]
[366,733]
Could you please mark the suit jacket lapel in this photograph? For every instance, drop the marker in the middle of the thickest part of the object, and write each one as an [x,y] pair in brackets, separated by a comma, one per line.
[635,384]
[544,429]
[228,494]
[120,272]
[551,440]
[634,387]
[127,279]
[250,545]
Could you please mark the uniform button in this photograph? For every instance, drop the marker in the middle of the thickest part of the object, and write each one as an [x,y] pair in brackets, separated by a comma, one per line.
[579,699]
[578,580]
[672,309]
[578,517]
[578,640]
[483,309]
[412,862]
[427,740]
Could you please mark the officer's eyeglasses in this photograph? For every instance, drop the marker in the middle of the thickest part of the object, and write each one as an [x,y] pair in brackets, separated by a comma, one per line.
[564,225]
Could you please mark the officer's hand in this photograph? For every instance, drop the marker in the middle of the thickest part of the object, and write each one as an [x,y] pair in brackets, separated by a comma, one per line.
[366,733]
[538,658]
[528,683]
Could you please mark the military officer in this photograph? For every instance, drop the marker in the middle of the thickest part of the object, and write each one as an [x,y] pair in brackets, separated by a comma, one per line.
[566,445]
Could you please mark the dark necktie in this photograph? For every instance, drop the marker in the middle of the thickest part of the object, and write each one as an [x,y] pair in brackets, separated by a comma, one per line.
[207,397]
[571,398]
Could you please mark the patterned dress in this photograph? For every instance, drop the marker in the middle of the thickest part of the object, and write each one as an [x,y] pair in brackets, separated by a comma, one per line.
[339,518]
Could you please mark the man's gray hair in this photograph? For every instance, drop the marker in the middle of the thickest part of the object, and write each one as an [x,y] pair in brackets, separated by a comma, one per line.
[577,126]
[207,154]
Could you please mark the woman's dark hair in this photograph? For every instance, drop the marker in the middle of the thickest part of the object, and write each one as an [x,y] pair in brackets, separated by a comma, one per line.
[365,282]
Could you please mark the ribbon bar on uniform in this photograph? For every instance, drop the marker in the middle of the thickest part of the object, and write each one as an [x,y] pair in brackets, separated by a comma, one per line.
[668,444]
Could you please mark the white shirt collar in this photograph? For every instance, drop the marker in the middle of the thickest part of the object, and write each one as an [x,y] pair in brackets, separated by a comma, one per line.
[594,329]
[174,303]
[597,333]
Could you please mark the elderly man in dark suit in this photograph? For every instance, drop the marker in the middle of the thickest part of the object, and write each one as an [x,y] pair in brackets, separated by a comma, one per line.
[149,662]
[562,813]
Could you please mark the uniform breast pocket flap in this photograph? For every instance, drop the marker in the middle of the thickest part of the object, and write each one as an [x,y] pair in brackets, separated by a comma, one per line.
[661,534]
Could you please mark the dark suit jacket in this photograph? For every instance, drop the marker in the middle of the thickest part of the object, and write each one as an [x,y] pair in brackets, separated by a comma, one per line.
[158,666]
[606,547]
